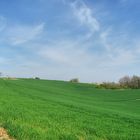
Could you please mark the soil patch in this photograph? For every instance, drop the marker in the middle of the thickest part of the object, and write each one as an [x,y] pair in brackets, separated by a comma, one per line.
[4,135]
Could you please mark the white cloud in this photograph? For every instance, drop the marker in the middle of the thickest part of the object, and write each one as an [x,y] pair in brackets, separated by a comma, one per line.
[19,34]
[85,16]
[103,38]
[120,53]
[68,53]
[23,34]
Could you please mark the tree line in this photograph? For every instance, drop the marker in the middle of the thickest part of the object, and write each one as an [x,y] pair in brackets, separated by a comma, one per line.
[124,82]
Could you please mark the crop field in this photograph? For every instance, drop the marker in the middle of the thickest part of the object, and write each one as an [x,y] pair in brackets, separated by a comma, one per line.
[57,110]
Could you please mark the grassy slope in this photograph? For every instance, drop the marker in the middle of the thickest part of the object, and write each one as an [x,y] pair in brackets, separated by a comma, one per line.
[49,110]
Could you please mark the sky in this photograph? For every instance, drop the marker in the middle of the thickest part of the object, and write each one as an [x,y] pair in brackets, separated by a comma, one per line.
[93,40]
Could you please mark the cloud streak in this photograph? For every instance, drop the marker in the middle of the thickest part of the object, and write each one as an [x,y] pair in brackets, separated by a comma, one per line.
[85,15]
[20,34]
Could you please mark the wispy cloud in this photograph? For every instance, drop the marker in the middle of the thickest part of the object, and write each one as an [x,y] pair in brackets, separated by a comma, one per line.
[23,34]
[68,53]
[19,34]
[85,15]
[103,36]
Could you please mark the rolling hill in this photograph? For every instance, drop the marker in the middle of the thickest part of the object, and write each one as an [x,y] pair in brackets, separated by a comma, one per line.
[57,110]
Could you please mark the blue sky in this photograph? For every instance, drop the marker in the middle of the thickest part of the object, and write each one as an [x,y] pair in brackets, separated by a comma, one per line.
[93,40]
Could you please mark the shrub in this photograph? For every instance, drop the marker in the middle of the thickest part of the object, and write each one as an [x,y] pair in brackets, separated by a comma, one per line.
[37,78]
[75,80]
[109,85]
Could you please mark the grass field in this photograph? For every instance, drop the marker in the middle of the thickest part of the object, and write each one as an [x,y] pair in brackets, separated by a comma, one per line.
[57,110]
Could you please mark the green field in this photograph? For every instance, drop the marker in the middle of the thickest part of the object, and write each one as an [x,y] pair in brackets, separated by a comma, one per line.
[57,110]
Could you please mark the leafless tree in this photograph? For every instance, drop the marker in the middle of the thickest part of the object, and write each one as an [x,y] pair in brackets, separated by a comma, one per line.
[125,81]
[130,82]
[135,82]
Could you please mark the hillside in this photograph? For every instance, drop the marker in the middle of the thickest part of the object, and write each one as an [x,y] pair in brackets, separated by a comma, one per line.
[57,110]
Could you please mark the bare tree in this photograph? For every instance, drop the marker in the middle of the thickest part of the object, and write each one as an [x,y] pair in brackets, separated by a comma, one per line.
[125,81]
[130,82]
[135,82]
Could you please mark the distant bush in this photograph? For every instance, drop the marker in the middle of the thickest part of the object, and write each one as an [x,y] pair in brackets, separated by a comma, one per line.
[109,85]
[75,80]
[37,78]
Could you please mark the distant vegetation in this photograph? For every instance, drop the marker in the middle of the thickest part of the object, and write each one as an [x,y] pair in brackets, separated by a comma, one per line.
[37,78]
[125,82]
[109,85]
[75,80]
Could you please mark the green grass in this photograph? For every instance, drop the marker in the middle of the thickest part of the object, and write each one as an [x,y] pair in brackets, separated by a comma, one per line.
[56,110]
